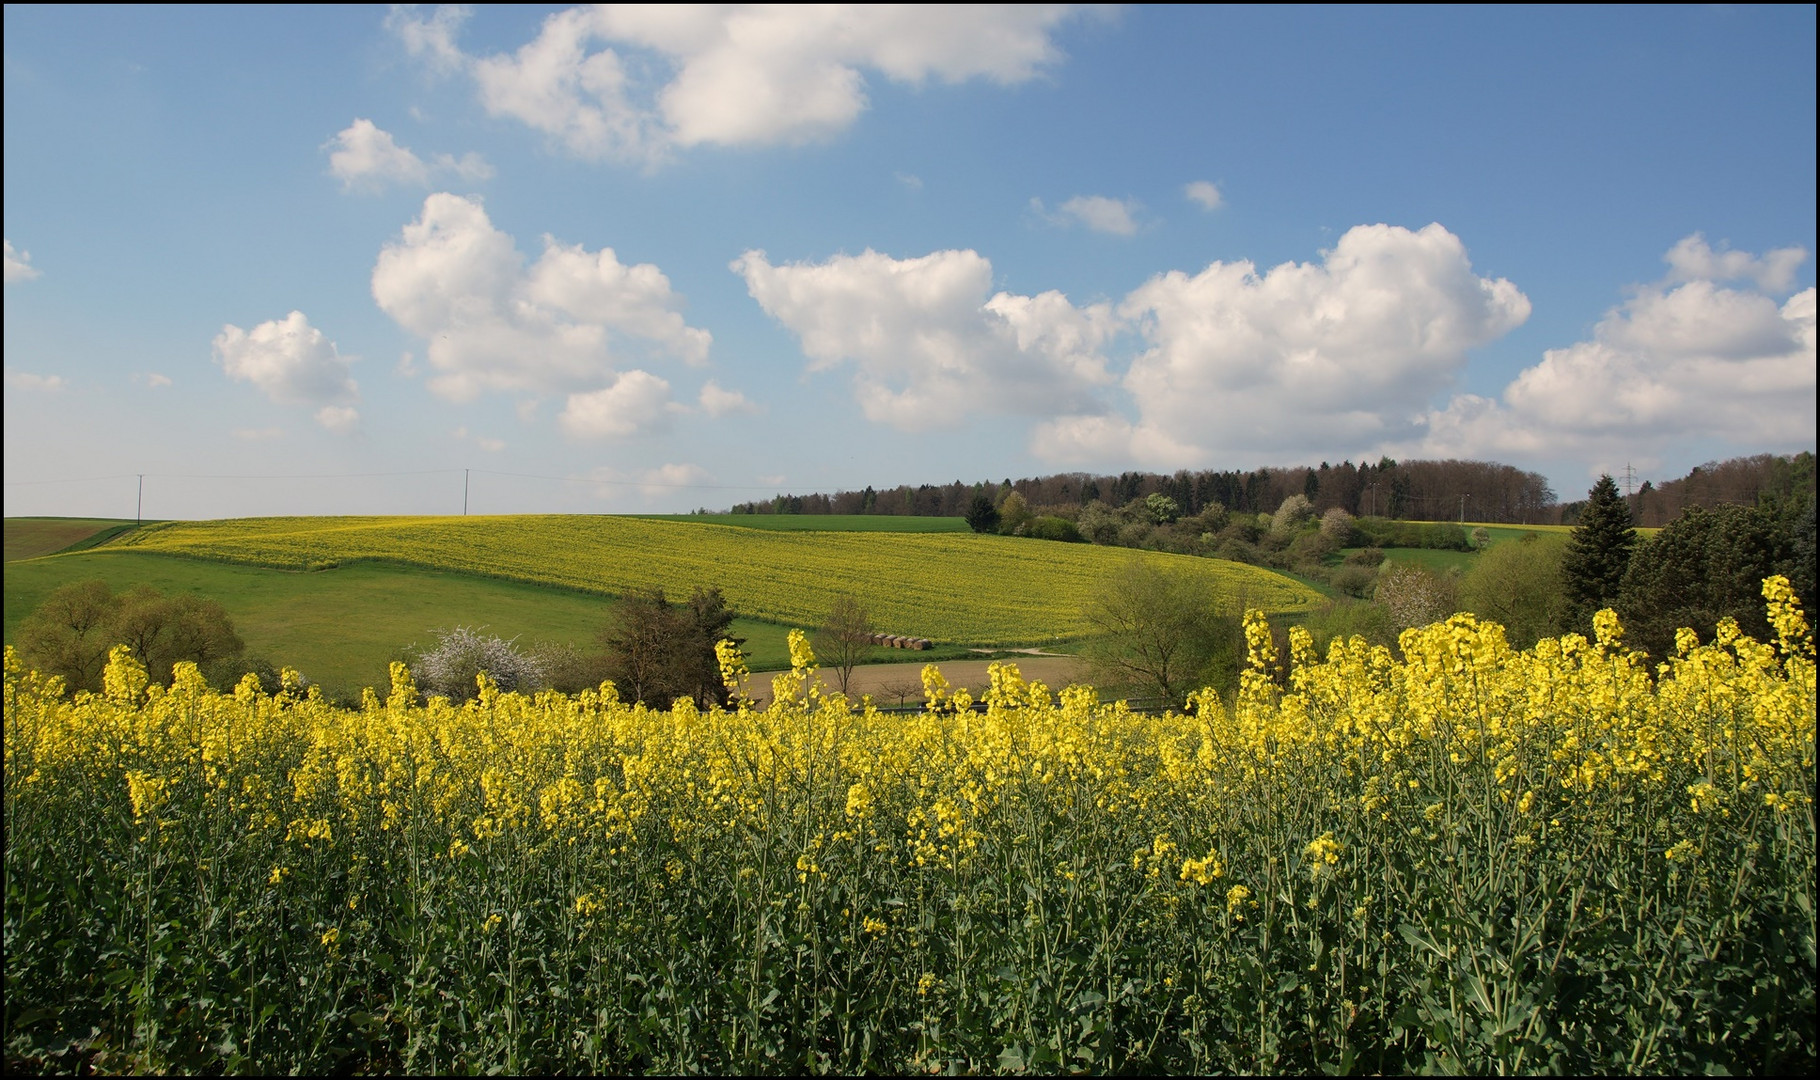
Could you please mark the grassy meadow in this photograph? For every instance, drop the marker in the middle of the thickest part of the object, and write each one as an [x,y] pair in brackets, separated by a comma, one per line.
[340,627]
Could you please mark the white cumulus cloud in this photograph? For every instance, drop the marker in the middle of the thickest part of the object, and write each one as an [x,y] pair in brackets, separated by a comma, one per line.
[717,401]
[929,341]
[1205,194]
[339,418]
[1117,217]
[293,363]
[1692,259]
[665,479]
[563,324]
[366,157]
[636,403]
[1682,360]
[1306,359]
[633,81]
[25,380]
[18,265]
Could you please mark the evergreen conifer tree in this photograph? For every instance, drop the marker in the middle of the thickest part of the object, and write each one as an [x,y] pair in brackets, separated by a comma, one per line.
[1598,552]
[982,516]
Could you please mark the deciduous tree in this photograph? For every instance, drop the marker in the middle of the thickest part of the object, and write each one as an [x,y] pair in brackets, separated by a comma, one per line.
[1518,584]
[658,651]
[1162,633]
[643,646]
[844,639]
[72,630]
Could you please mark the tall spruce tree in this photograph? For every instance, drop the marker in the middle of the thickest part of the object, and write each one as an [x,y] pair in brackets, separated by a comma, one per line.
[1598,552]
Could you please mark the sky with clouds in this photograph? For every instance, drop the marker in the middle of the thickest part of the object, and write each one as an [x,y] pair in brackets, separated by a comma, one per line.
[636,259]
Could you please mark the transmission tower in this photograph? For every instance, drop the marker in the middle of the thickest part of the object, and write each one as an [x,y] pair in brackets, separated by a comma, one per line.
[1630,480]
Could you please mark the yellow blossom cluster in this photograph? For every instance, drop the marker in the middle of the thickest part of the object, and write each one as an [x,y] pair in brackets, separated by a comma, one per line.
[834,843]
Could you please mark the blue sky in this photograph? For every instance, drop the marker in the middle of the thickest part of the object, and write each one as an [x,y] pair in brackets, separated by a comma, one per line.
[323,260]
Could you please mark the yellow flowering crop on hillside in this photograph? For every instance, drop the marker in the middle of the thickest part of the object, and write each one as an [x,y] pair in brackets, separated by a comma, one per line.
[950,587]
[1465,858]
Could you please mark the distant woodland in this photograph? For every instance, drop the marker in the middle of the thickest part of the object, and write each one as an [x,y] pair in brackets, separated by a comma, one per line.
[1449,490]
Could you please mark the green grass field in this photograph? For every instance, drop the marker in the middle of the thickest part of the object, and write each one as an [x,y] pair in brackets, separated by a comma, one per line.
[1441,561]
[823,522]
[341,627]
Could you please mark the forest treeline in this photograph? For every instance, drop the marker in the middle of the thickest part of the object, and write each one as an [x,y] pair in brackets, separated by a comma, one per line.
[1417,490]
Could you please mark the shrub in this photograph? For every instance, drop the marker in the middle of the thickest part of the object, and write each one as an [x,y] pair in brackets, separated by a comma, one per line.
[1295,510]
[71,631]
[1346,619]
[1014,515]
[1414,596]
[1353,579]
[1056,528]
[1519,585]
[570,669]
[1243,529]
[1309,550]
[1336,526]
[1100,524]
[1135,534]
[452,668]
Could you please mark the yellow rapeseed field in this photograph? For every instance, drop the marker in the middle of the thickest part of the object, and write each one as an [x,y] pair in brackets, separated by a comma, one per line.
[957,588]
[1462,858]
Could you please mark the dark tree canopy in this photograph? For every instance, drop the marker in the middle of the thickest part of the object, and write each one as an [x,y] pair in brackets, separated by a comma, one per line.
[1598,551]
[1703,567]
[658,651]
[982,516]
[710,622]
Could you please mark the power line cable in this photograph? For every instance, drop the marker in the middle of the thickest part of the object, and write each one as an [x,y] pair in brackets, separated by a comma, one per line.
[629,483]
[234,476]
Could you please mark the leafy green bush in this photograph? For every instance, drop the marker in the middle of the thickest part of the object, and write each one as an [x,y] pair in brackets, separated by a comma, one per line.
[1056,528]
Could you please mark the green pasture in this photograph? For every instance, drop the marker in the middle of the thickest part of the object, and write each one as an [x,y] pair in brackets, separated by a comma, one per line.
[1430,559]
[1441,561]
[341,627]
[823,522]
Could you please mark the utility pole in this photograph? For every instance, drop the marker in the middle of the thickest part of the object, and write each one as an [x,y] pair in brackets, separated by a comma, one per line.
[139,508]
[1463,499]
[464,492]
